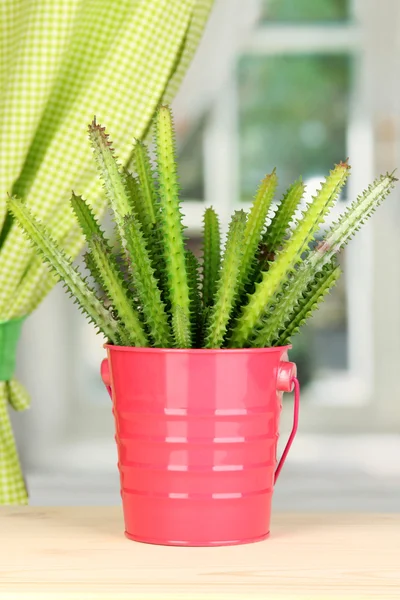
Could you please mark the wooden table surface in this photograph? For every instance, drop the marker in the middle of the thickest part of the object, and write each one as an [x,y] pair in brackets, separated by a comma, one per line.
[73,553]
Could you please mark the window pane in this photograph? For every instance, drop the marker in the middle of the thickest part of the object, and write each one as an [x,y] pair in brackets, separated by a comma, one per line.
[305,10]
[190,162]
[293,114]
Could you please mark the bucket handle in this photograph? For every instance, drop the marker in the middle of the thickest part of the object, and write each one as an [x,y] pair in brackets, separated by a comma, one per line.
[281,462]
[105,375]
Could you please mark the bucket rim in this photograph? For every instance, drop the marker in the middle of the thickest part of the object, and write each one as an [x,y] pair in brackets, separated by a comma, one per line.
[224,351]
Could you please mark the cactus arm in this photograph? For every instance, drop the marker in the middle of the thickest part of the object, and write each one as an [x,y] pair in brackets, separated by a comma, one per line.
[279,310]
[65,271]
[144,171]
[86,219]
[283,306]
[293,296]
[151,231]
[322,283]
[211,255]
[182,327]
[156,251]
[93,271]
[109,171]
[351,220]
[289,255]
[341,232]
[171,228]
[137,204]
[132,237]
[145,283]
[91,229]
[273,238]
[228,284]
[196,309]
[114,285]
[254,227]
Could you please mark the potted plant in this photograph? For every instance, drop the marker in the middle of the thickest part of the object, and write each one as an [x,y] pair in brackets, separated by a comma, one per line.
[197,354]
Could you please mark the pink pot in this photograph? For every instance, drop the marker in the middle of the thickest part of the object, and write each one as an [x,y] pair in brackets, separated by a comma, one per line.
[197,433]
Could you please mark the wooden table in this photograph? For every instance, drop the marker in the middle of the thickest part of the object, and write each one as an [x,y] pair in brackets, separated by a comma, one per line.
[82,553]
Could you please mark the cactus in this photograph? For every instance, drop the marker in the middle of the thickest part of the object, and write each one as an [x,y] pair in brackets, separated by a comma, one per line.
[146,179]
[211,255]
[149,227]
[284,306]
[108,272]
[93,271]
[145,283]
[322,283]
[113,284]
[171,228]
[196,308]
[254,227]
[228,284]
[257,293]
[290,254]
[109,171]
[138,206]
[255,224]
[274,236]
[64,270]
[293,305]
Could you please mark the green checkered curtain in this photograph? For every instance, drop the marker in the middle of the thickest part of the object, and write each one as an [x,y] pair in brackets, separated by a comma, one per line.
[61,63]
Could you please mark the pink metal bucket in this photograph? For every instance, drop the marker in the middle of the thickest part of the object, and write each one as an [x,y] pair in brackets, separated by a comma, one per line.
[197,434]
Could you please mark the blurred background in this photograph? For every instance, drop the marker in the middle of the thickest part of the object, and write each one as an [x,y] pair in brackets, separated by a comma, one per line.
[297,85]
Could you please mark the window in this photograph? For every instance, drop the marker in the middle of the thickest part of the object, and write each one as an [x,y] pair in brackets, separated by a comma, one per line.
[191,163]
[309,11]
[293,115]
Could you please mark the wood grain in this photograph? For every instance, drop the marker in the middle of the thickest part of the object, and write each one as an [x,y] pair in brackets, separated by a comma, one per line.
[71,553]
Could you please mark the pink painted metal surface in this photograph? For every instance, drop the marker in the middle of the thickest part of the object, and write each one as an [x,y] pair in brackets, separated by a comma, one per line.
[197,434]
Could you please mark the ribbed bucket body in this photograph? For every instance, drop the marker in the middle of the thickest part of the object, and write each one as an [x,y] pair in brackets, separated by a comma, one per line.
[197,435]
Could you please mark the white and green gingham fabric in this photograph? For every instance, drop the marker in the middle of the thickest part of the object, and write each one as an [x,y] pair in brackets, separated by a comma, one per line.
[61,63]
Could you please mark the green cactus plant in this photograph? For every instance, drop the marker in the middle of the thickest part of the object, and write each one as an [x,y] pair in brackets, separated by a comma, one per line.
[172,229]
[211,255]
[274,235]
[63,268]
[229,282]
[268,281]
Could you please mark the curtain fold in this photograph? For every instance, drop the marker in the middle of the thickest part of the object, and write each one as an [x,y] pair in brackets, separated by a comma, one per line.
[62,62]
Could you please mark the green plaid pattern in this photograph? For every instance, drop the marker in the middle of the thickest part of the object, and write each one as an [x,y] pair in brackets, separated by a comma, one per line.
[12,484]
[64,61]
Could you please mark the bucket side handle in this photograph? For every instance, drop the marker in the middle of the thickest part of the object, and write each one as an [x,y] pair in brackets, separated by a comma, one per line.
[287,381]
[105,375]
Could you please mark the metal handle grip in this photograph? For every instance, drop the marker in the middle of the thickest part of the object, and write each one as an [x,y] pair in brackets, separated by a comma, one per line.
[105,375]
[296,385]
